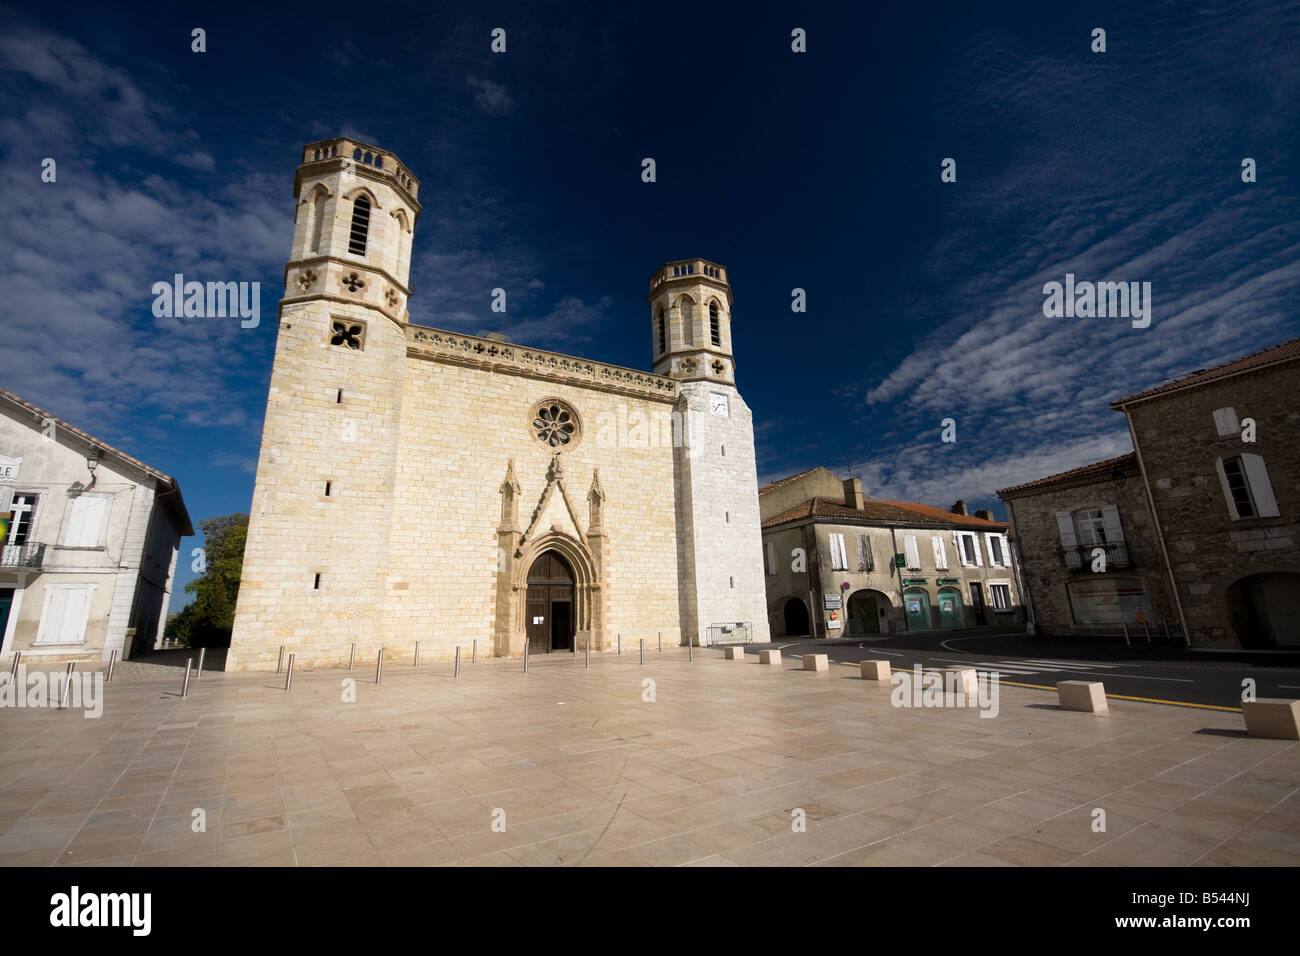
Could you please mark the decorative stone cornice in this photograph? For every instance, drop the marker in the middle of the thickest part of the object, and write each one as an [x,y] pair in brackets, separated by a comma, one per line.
[475,352]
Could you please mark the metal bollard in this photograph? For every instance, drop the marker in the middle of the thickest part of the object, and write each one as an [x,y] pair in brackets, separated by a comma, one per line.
[1146,626]
[185,687]
[643,652]
[417,654]
[620,643]
[13,671]
[353,658]
[457,674]
[1125,626]
[379,665]
[525,658]
[661,642]
[112,662]
[288,678]
[67,685]
[587,652]
[280,666]
[690,649]
[1168,636]
[198,675]
[474,658]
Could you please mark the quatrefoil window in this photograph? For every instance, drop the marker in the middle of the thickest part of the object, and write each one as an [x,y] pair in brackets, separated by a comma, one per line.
[306,279]
[347,334]
[354,282]
[555,424]
[718,368]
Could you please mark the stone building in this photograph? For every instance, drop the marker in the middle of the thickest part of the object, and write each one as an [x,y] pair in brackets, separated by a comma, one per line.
[92,544]
[1200,532]
[841,564]
[418,485]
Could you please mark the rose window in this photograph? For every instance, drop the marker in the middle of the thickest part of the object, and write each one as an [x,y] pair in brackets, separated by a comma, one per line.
[554,425]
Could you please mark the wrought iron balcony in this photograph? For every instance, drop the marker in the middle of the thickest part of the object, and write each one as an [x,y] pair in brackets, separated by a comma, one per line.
[23,556]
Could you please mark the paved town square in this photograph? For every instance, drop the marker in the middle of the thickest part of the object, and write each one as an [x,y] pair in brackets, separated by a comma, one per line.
[710,762]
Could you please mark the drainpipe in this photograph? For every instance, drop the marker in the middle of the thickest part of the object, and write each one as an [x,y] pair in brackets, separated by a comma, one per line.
[1160,533]
[893,537]
[814,612]
[1030,617]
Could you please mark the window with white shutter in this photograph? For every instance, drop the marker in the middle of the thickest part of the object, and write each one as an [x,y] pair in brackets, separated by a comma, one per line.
[1070,544]
[975,543]
[1225,421]
[839,558]
[940,554]
[994,544]
[913,552]
[866,560]
[64,616]
[1117,550]
[1261,489]
[83,526]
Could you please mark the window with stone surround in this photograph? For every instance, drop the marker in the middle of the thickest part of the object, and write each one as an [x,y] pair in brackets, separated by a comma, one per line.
[360,226]
[348,334]
[555,423]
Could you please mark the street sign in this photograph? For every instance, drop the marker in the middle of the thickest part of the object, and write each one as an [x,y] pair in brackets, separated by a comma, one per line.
[833,602]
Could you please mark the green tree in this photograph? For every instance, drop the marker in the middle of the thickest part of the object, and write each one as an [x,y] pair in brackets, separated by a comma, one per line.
[207,620]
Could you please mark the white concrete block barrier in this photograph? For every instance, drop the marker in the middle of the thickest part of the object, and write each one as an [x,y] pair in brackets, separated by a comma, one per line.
[1272,717]
[816,662]
[1086,695]
[770,657]
[876,670]
[733,653]
[961,681]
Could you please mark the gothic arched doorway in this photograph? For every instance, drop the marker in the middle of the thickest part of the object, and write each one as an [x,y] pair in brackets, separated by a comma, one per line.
[549,605]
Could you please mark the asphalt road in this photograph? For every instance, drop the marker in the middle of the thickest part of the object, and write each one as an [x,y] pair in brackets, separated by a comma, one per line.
[1155,673]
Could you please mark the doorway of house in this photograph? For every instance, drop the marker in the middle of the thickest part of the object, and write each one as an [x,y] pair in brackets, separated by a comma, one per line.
[977,603]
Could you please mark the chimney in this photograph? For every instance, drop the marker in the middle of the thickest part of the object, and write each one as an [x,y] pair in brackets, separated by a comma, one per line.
[853,493]
[960,508]
[985,514]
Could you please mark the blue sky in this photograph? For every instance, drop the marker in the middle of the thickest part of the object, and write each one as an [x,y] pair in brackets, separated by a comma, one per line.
[818,170]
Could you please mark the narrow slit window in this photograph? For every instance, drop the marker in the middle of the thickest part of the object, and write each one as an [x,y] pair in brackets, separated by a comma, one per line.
[328,486]
[360,226]
[339,400]
[715,331]
[316,584]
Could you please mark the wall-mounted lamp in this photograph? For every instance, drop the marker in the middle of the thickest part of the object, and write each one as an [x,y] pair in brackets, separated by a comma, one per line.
[92,461]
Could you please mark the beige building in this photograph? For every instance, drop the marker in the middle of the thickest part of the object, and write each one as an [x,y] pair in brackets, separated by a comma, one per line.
[840,564]
[1194,533]
[418,485]
[92,545]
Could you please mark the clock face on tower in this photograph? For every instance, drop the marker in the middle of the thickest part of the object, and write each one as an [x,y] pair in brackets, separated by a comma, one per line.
[718,403]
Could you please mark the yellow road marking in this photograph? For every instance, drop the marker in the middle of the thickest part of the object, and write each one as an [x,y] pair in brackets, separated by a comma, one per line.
[1144,700]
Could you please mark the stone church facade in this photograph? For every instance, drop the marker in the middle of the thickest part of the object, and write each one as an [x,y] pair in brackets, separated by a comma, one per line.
[418,485]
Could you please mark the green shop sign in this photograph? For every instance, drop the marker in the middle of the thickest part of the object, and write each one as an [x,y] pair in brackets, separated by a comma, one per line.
[910,581]
[900,560]
[947,581]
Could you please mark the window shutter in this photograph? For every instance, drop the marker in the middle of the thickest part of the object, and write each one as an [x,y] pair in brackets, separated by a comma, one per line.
[913,552]
[866,560]
[1225,421]
[988,544]
[940,554]
[1006,550]
[975,542]
[1065,526]
[769,554]
[64,619]
[956,544]
[1227,492]
[1114,534]
[1260,487]
[839,558]
[85,521]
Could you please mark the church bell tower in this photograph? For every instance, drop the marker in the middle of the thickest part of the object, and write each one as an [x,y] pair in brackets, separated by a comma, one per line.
[313,578]
[717,483]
